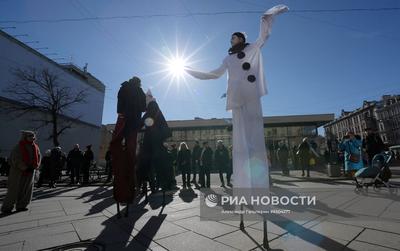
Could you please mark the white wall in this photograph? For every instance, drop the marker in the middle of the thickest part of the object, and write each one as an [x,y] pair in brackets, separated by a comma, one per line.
[82,134]
[13,55]
[86,131]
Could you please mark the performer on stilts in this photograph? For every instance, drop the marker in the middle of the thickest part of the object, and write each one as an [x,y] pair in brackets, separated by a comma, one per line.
[131,104]
[246,85]
[155,134]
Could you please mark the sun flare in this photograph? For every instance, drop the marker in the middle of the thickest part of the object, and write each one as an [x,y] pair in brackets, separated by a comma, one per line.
[176,66]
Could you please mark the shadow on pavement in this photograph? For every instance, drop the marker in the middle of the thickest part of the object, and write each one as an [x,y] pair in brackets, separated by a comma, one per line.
[40,194]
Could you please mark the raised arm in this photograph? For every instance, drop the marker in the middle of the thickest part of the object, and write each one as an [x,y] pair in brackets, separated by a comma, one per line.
[266,23]
[208,75]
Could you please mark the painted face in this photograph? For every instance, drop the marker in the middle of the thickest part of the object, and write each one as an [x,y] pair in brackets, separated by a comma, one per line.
[30,138]
[235,40]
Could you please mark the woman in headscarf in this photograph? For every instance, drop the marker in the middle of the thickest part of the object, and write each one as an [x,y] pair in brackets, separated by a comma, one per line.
[24,160]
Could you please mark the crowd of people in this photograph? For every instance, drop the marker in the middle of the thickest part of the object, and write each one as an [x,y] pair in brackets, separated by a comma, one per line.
[157,163]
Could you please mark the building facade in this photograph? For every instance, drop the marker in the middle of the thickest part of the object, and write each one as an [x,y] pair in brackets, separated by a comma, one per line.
[382,116]
[388,119]
[288,129]
[84,118]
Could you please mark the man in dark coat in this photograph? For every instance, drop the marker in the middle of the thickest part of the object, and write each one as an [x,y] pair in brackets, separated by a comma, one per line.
[75,163]
[174,154]
[88,158]
[303,153]
[221,162]
[131,104]
[372,144]
[156,132]
[145,172]
[205,165]
[283,156]
[57,161]
[45,167]
[183,163]
[196,152]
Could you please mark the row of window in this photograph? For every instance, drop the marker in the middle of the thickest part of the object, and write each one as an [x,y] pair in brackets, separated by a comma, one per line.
[272,131]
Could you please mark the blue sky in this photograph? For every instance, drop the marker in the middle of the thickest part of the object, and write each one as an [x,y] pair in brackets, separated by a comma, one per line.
[314,62]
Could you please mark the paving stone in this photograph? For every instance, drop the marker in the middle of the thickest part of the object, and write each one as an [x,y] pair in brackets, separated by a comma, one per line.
[181,206]
[46,208]
[245,240]
[43,203]
[190,241]
[384,225]
[392,212]
[271,227]
[132,245]
[66,218]
[101,229]
[210,229]
[290,242]
[89,211]
[380,238]
[75,206]
[362,246]
[337,231]
[369,206]
[22,217]
[182,214]
[37,234]
[18,226]
[55,240]
[155,227]
[14,246]
[236,223]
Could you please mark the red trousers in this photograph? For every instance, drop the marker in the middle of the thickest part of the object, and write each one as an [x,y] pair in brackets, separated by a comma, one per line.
[123,159]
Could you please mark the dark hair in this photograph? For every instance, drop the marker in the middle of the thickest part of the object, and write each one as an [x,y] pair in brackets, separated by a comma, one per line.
[135,81]
[240,35]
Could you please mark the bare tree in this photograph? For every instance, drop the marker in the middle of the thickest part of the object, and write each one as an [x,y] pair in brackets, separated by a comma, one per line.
[41,91]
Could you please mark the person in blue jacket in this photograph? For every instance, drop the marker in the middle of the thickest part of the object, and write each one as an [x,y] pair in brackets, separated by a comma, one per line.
[351,145]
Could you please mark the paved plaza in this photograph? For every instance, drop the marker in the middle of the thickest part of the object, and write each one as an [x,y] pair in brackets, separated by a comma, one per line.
[86,216]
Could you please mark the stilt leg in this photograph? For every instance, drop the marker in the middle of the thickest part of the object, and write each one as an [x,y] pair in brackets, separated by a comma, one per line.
[241,226]
[265,240]
[118,211]
[127,210]
[163,197]
[145,192]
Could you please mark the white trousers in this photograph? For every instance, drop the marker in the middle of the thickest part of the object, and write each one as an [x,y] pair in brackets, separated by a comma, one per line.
[250,167]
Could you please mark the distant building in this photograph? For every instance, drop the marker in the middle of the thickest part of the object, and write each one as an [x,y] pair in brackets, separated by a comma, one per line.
[85,130]
[289,129]
[355,121]
[388,119]
[382,116]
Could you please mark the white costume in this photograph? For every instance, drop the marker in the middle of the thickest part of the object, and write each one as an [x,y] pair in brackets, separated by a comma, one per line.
[246,85]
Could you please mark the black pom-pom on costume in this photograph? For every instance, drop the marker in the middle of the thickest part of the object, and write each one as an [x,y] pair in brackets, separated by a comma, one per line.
[246,66]
[251,78]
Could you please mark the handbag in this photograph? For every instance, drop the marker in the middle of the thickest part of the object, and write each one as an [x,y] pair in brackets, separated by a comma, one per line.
[355,158]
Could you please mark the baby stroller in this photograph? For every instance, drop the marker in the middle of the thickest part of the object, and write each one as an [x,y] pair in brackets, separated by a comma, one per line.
[378,174]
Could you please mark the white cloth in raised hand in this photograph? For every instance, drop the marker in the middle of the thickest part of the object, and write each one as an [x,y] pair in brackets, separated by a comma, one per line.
[278,9]
[149,97]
